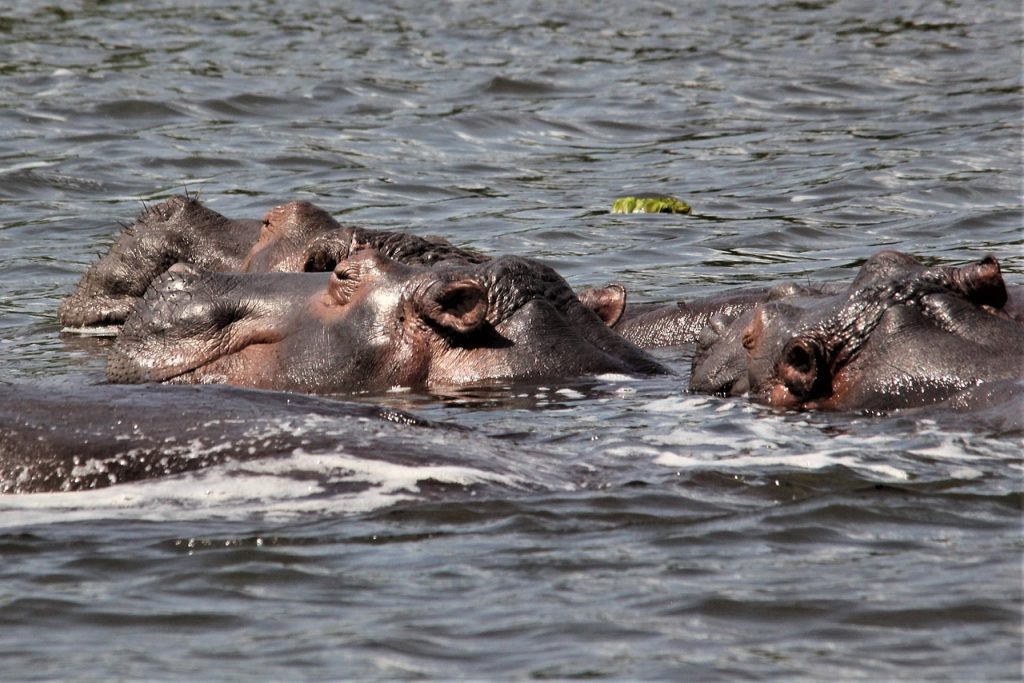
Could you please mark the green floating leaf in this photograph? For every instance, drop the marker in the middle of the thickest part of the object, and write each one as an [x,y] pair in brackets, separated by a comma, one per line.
[650,204]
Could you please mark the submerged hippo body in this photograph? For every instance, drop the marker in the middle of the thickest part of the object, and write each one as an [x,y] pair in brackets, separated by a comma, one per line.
[291,237]
[115,434]
[902,335]
[369,325]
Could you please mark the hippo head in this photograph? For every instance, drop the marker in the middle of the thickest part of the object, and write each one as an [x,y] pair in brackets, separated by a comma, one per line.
[721,355]
[285,232]
[369,325]
[901,335]
[179,229]
[300,236]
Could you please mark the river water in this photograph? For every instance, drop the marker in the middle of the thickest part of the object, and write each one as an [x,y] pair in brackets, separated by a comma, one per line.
[607,527]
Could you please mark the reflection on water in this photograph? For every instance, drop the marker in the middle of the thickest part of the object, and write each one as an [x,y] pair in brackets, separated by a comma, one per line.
[635,531]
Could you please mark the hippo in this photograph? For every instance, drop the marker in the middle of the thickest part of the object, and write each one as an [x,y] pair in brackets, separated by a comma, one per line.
[109,434]
[902,335]
[371,324]
[291,237]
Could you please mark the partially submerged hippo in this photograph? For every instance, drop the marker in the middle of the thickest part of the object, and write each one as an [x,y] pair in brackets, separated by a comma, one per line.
[371,324]
[114,434]
[290,238]
[901,335]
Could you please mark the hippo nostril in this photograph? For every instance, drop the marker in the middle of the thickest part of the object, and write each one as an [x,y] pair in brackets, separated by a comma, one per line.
[798,369]
[800,358]
[344,282]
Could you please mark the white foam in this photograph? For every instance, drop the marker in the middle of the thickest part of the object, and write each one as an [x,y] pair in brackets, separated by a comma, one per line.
[686,436]
[98,331]
[569,393]
[50,116]
[813,460]
[274,487]
[616,377]
[25,165]
[966,473]
[947,449]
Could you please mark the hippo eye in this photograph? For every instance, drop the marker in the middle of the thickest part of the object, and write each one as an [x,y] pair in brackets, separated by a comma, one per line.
[754,330]
[224,314]
[748,339]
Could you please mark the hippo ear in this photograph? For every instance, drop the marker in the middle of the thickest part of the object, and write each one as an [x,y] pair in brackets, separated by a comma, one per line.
[982,283]
[459,305]
[609,302]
